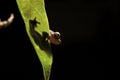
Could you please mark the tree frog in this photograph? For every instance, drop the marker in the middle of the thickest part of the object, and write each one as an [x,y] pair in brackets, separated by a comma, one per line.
[55,37]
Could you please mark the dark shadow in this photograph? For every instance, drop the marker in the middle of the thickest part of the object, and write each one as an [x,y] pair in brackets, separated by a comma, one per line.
[40,40]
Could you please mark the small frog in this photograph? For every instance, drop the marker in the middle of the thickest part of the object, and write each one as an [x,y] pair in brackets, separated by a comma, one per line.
[54,37]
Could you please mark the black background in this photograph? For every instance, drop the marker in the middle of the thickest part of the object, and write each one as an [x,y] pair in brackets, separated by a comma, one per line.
[89,32]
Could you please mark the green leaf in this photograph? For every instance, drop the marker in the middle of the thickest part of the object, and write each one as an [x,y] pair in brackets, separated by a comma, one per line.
[36,22]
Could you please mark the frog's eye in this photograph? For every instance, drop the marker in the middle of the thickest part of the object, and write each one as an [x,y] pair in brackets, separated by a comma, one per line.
[56,35]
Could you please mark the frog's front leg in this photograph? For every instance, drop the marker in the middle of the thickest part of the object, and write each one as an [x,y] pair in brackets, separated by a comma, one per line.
[54,37]
[7,22]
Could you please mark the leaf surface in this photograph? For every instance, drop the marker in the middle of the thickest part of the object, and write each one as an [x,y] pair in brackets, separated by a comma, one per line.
[37,27]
